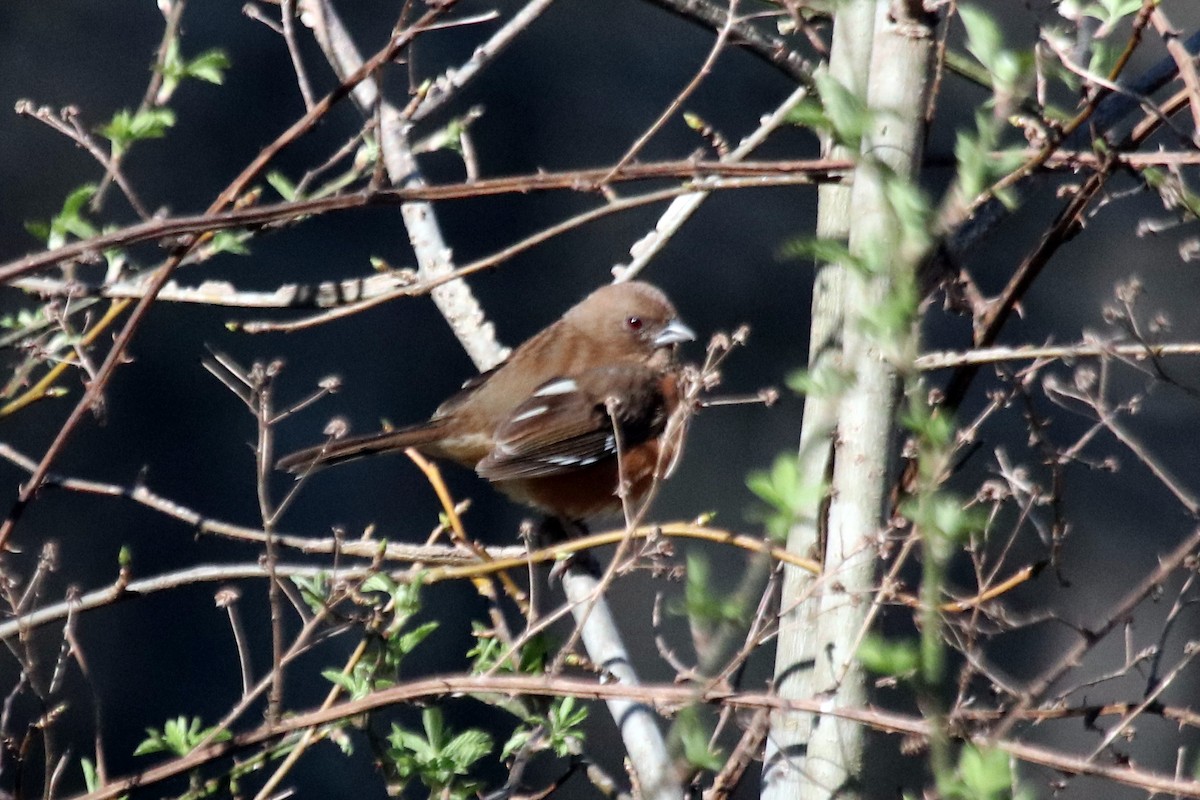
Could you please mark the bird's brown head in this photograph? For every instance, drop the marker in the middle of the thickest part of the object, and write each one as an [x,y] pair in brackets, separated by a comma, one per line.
[634,318]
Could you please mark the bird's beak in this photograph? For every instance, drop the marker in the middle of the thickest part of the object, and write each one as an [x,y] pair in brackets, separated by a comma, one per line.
[674,333]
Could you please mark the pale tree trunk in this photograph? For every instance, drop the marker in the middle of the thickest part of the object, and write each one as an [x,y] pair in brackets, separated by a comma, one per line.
[883,54]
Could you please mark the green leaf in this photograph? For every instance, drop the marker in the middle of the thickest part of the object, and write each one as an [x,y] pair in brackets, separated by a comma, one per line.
[91,778]
[314,591]
[933,426]
[985,773]
[280,183]
[943,520]
[408,642]
[468,747]
[179,737]
[565,721]
[825,380]
[1110,12]
[979,165]
[809,113]
[209,66]
[778,486]
[847,113]
[69,221]
[1011,71]
[898,659]
[127,127]
[230,241]
[485,655]
[437,759]
[822,251]
[786,497]
[352,684]
[984,39]
[39,230]
[701,603]
[694,735]
[520,737]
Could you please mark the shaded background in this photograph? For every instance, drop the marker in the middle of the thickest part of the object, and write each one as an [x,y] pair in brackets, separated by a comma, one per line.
[575,91]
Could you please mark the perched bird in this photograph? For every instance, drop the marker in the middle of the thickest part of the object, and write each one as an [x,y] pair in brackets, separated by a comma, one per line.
[540,426]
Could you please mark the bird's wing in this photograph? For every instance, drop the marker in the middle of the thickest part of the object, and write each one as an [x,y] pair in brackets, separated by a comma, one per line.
[471,386]
[565,424]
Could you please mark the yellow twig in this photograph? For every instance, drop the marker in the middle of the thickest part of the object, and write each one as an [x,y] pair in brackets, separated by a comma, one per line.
[1019,577]
[959,606]
[459,534]
[39,389]
[683,530]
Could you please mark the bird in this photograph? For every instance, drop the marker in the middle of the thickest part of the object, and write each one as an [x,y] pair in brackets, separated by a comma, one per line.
[579,408]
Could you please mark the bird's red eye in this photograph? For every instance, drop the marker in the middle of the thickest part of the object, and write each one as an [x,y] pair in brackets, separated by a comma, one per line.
[634,323]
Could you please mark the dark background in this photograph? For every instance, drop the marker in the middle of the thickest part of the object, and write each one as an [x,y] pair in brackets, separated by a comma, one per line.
[575,91]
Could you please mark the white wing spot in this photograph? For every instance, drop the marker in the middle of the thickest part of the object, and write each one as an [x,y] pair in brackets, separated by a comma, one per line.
[564,386]
[571,461]
[530,413]
[610,443]
[562,461]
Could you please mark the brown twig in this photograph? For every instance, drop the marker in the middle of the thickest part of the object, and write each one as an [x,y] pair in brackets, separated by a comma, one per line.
[116,353]
[661,695]
[743,175]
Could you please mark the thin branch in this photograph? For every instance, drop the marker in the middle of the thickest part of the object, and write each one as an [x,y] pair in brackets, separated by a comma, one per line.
[287,15]
[1070,656]
[116,354]
[771,49]
[763,174]
[952,359]
[451,82]
[1184,62]
[190,576]
[705,69]
[454,298]
[66,122]
[657,695]
[681,210]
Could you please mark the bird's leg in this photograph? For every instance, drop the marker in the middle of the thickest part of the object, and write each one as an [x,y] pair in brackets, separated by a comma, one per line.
[552,531]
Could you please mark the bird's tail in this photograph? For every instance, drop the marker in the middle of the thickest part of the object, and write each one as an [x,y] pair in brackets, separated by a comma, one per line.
[335,451]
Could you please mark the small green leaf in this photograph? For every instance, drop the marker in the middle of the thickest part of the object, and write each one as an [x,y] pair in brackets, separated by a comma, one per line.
[984,39]
[565,720]
[39,229]
[127,127]
[848,114]
[899,658]
[1011,71]
[408,642]
[488,650]
[438,760]
[701,604]
[280,183]
[91,778]
[179,737]
[694,735]
[786,496]
[986,774]
[348,683]
[209,66]
[230,241]
[468,747]
[69,221]
[822,251]
[825,380]
[809,113]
